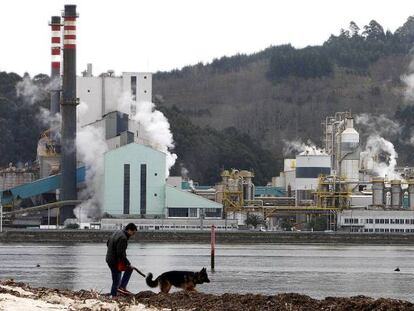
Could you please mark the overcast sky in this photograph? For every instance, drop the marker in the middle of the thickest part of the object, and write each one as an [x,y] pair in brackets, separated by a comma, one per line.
[152,35]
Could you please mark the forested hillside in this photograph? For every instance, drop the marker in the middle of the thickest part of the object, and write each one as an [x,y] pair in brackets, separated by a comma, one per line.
[283,93]
[238,111]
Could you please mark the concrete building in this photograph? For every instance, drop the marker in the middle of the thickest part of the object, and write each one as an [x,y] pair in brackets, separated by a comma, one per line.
[135,186]
[108,93]
[359,220]
[134,181]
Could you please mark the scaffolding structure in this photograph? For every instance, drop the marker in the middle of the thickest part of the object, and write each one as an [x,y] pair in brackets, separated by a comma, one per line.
[332,193]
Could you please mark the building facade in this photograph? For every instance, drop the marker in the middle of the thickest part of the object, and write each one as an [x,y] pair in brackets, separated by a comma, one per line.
[135,186]
[386,221]
[134,181]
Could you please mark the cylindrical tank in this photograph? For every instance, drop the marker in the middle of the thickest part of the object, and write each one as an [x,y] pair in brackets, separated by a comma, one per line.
[411,194]
[378,192]
[349,147]
[396,194]
[309,166]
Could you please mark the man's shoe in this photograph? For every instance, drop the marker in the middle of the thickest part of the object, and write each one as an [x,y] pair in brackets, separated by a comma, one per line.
[124,291]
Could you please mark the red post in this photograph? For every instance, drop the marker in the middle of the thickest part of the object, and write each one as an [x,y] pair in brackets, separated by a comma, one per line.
[213,245]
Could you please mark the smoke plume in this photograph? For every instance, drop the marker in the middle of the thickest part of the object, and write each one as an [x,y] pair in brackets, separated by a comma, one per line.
[91,146]
[154,128]
[292,148]
[380,156]
[379,125]
[408,79]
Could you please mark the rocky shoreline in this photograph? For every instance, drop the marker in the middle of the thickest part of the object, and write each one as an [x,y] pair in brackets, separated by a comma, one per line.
[20,296]
[222,237]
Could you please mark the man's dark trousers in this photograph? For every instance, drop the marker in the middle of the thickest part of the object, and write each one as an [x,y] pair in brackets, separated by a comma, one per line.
[116,278]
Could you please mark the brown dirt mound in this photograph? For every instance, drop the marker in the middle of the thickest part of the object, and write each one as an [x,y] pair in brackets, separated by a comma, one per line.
[196,301]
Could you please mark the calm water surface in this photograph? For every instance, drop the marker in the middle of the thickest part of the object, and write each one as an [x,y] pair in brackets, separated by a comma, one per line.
[315,270]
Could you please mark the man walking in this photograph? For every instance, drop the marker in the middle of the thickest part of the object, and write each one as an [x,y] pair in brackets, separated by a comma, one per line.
[117,260]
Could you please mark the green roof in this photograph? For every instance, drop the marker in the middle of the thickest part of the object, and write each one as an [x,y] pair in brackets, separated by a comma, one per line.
[178,198]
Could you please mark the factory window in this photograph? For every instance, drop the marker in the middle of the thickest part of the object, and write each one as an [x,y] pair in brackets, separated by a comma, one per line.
[377,221]
[134,87]
[126,188]
[392,230]
[376,230]
[387,221]
[143,190]
[412,221]
[212,212]
[407,221]
[392,221]
[178,212]
[382,221]
[193,212]
[387,230]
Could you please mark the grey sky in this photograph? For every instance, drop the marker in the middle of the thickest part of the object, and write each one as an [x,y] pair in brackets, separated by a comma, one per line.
[152,35]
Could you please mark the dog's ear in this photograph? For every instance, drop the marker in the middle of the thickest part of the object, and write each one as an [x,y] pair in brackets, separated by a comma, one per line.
[203,270]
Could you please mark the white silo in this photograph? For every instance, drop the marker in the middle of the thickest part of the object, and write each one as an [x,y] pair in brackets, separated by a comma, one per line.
[349,152]
[309,166]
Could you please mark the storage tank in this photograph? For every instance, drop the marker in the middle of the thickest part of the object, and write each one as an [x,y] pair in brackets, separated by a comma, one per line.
[349,146]
[378,192]
[411,194]
[396,194]
[309,165]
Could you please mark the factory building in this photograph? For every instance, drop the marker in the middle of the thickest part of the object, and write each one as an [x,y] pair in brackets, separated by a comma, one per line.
[386,221]
[107,93]
[135,185]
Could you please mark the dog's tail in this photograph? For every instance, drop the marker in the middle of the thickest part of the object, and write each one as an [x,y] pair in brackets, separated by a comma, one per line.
[150,281]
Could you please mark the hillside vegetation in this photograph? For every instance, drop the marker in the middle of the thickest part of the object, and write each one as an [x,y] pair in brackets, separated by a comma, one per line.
[283,93]
[237,112]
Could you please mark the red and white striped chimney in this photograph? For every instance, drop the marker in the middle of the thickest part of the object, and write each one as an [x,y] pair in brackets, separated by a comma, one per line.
[69,31]
[56,34]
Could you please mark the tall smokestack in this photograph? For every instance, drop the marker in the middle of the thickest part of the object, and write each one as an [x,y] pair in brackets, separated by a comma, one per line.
[55,68]
[68,110]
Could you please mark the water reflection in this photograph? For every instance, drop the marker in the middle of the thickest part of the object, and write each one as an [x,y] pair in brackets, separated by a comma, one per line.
[315,270]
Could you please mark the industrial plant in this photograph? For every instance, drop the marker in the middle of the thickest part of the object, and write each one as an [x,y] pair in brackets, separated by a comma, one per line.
[99,166]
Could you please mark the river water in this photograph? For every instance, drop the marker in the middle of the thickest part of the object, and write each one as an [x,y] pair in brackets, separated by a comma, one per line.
[314,270]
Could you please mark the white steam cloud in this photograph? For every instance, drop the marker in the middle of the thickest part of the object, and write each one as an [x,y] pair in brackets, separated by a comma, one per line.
[380,156]
[408,79]
[379,125]
[295,147]
[91,146]
[31,92]
[154,128]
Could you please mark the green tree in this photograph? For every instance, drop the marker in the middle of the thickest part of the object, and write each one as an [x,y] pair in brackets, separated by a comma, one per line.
[254,220]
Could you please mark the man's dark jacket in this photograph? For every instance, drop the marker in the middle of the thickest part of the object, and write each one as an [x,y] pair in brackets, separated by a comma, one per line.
[117,245]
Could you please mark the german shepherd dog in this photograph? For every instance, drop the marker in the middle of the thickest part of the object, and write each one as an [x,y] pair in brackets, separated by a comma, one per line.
[186,280]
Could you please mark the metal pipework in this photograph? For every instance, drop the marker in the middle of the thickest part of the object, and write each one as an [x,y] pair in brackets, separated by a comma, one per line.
[396,194]
[378,192]
[69,102]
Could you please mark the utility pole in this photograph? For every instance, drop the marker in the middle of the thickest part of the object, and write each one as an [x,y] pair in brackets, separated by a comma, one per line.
[1,217]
